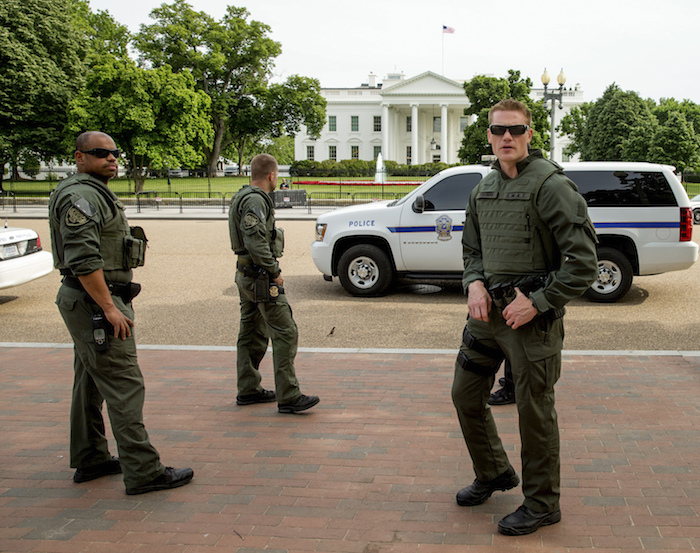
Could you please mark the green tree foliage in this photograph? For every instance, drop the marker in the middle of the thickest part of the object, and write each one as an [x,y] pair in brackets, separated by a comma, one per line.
[155,116]
[574,126]
[231,61]
[610,121]
[483,92]
[105,35]
[621,126]
[275,110]
[41,61]
[673,142]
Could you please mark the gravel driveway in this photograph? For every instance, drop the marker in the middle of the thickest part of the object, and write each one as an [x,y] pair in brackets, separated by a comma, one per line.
[189,298]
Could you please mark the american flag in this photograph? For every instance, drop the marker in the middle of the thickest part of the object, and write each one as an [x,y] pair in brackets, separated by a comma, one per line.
[448,30]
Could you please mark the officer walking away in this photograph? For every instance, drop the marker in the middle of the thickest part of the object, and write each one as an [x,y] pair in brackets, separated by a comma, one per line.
[529,248]
[264,307]
[506,395]
[95,250]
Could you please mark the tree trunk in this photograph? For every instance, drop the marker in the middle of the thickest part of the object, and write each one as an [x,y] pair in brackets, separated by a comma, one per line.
[213,154]
[139,180]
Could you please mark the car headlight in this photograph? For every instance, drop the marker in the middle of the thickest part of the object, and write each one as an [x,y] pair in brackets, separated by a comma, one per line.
[320,231]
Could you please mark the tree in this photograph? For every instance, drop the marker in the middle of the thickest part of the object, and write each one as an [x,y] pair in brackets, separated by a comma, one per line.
[574,126]
[674,143]
[41,57]
[601,127]
[483,93]
[155,116]
[276,110]
[231,61]
[105,35]
[621,126]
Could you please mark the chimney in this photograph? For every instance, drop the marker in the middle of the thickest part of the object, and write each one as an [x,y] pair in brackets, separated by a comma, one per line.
[372,80]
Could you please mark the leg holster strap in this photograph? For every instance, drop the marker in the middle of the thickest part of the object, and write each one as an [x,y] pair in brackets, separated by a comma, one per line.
[482,370]
[473,343]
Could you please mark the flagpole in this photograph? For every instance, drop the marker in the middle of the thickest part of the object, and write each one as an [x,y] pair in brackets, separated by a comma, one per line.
[443,52]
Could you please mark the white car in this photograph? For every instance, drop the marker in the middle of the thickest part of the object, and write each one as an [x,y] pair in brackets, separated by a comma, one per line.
[21,257]
[695,206]
[641,213]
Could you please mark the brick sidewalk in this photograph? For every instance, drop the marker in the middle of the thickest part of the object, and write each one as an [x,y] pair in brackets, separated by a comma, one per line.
[372,469]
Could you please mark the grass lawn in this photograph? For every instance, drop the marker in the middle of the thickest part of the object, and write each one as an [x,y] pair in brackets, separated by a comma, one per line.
[226,186]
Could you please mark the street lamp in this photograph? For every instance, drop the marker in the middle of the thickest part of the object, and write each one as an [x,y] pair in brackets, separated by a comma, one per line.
[554,96]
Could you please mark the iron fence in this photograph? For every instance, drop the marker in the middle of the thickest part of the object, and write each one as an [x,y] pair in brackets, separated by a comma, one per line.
[308,196]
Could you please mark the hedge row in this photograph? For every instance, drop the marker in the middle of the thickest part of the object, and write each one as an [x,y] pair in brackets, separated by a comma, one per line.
[361,168]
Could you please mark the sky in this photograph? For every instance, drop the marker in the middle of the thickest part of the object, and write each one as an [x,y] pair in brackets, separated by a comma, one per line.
[648,47]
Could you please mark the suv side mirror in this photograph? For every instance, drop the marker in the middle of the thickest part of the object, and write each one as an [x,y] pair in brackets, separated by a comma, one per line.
[419,204]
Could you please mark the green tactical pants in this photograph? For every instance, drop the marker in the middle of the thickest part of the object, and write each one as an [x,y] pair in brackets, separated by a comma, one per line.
[535,354]
[258,321]
[112,376]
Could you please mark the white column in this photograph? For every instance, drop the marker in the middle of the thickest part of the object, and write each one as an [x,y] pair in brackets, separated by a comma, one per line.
[386,154]
[414,134]
[444,146]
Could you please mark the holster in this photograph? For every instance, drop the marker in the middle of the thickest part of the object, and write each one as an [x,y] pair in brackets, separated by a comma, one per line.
[126,291]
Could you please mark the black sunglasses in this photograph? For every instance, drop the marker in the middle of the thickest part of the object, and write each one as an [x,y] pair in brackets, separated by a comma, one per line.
[515,130]
[102,152]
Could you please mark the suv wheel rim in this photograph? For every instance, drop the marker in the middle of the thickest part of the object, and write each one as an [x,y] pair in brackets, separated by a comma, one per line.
[363,272]
[609,277]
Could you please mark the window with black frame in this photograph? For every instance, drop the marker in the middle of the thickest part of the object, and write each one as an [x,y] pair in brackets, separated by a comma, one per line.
[623,188]
[451,193]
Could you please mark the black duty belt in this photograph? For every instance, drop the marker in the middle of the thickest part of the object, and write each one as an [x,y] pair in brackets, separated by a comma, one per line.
[249,269]
[126,291]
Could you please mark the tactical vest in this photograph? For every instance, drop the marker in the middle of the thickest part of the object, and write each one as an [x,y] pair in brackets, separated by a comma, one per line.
[273,235]
[514,240]
[121,247]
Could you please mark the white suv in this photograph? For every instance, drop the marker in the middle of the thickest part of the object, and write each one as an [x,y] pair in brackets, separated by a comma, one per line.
[641,213]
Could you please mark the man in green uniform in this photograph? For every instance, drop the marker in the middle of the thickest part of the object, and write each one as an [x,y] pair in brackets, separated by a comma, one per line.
[529,248]
[264,307]
[95,250]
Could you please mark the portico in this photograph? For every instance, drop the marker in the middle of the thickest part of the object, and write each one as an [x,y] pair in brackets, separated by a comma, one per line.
[412,121]
[424,119]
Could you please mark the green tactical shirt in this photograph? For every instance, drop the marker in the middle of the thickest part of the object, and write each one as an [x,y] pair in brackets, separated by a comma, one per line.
[251,223]
[88,227]
[536,223]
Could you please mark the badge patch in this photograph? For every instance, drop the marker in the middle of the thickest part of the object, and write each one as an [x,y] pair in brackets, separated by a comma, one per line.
[443,227]
[274,291]
[75,217]
[250,220]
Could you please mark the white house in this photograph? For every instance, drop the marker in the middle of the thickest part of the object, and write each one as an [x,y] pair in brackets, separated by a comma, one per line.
[414,121]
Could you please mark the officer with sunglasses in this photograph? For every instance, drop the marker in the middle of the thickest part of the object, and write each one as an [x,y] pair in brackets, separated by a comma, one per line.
[95,250]
[529,248]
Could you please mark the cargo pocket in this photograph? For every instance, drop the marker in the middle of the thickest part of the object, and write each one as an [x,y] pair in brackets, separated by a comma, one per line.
[547,338]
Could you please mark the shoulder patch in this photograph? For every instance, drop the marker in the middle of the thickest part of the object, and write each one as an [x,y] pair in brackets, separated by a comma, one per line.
[250,220]
[75,217]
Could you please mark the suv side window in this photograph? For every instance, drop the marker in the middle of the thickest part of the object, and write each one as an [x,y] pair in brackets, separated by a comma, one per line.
[623,188]
[451,193]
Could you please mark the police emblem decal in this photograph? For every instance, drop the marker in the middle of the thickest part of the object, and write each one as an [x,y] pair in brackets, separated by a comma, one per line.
[443,227]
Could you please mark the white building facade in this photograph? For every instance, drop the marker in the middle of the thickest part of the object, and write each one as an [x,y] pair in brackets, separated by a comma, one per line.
[413,121]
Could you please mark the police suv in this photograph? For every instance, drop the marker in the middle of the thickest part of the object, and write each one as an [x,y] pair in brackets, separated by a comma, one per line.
[641,213]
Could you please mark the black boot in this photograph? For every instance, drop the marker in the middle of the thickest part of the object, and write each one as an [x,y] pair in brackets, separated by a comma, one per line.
[480,491]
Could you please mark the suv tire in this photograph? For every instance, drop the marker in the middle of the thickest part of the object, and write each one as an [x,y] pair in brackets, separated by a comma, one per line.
[365,270]
[614,277]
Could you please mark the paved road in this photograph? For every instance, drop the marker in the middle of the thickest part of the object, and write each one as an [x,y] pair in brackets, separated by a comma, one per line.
[189,298]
